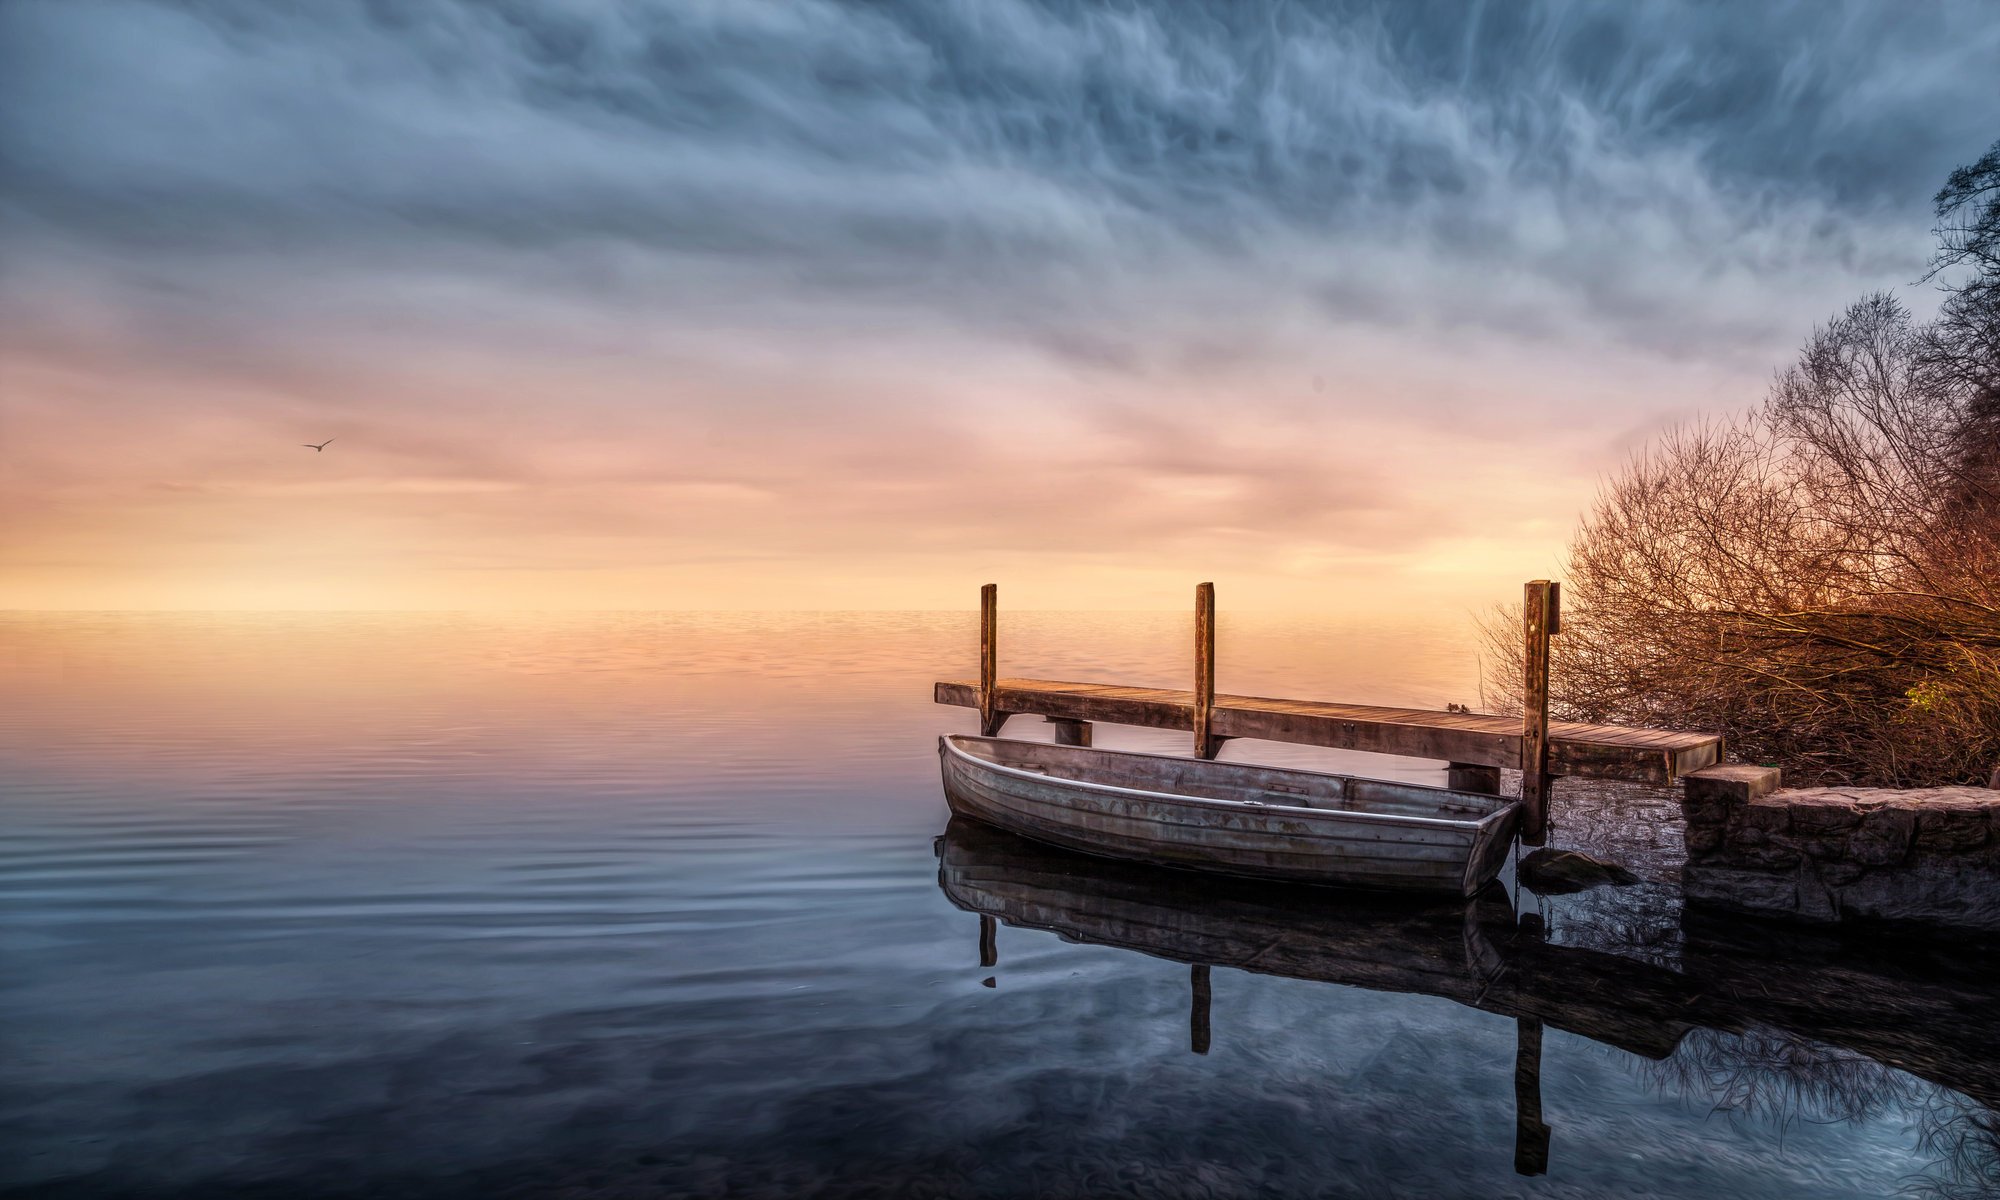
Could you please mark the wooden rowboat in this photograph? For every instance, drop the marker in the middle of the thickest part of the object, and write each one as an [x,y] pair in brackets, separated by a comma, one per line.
[1266,822]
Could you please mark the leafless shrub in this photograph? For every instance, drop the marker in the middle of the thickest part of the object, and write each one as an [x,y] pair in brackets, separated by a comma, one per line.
[1819,581]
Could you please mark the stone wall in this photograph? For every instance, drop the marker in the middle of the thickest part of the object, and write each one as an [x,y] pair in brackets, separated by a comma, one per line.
[1930,855]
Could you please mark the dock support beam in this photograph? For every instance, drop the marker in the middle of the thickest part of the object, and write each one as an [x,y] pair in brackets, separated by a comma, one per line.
[1205,743]
[1469,777]
[1071,733]
[1198,1008]
[990,716]
[1541,617]
[1531,1136]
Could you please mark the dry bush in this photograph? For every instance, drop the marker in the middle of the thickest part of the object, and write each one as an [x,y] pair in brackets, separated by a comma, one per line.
[1819,582]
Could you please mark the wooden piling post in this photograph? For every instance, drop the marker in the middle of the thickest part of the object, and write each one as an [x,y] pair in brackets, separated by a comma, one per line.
[1531,1136]
[1198,1009]
[1541,617]
[1205,743]
[990,716]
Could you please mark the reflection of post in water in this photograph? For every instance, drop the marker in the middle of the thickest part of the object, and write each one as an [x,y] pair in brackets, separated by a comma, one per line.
[1531,1137]
[989,948]
[1198,1010]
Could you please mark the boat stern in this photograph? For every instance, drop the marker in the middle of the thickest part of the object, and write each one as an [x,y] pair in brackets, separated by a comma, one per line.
[1489,848]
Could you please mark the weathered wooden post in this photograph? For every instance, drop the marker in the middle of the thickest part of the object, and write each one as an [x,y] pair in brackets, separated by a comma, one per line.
[1531,1136]
[1205,743]
[989,948]
[990,716]
[1541,615]
[1198,1009]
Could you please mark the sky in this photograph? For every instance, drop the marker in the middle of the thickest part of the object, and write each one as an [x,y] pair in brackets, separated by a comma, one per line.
[732,304]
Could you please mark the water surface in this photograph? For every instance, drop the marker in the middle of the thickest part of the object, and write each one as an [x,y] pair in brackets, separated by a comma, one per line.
[307,905]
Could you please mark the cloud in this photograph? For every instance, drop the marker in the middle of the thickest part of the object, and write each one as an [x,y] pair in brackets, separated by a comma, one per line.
[555,253]
[1000,156]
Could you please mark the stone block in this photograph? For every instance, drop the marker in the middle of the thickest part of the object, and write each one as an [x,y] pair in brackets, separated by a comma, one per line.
[1771,854]
[1883,837]
[1931,891]
[1708,795]
[1704,839]
[1815,900]
[1756,891]
[1929,856]
[1705,810]
[1765,815]
[1820,813]
[1951,825]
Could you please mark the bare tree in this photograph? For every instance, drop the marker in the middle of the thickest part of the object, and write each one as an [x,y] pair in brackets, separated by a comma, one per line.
[1818,581]
[1811,580]
[1966,337]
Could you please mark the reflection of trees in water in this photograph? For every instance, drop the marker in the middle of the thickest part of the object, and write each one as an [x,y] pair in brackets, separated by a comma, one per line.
[1963,1136]
[1774,1075]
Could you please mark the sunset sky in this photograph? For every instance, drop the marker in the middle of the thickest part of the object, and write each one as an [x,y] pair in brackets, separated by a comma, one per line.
[730,304]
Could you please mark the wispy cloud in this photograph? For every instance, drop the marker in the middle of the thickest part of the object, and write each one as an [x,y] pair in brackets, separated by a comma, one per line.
[935,274]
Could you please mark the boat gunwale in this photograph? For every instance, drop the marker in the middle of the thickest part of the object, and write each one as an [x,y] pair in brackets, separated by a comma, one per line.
[948,743]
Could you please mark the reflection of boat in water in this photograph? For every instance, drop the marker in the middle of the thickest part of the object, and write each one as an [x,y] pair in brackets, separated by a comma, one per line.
[1379,942]
[1468,950]
[1236,818]
[1382,942]
[1897,1006]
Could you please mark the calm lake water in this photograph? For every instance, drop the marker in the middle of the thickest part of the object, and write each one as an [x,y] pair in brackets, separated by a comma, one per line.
[659,905]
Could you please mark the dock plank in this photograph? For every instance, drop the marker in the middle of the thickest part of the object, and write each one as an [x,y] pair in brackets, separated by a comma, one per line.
[1579,750]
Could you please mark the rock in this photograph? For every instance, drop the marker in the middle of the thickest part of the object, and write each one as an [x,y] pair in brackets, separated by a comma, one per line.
[1703,839]
[1772,816]
[1823,812]
[1934,892]
[1816,900]
[1755,891]
[1559,872]
[1954,823]
[1919,856]
[1884,836]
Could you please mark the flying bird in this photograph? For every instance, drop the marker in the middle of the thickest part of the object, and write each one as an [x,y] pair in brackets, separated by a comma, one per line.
[323,445]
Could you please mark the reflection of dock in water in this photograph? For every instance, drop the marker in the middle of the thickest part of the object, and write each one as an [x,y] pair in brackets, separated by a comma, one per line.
[1927,1019]
[1470,951]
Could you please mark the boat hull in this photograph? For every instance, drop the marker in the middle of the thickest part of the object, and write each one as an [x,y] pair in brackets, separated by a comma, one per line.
[1307,827]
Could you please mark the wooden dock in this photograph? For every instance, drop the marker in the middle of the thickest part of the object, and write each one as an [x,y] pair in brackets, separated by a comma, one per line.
[1581,751]
[1475,746]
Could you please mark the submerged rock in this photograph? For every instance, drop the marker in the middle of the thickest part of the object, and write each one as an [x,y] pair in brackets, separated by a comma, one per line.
[1559,872]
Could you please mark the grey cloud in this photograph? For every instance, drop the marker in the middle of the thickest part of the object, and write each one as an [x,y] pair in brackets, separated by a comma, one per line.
[1678,177]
